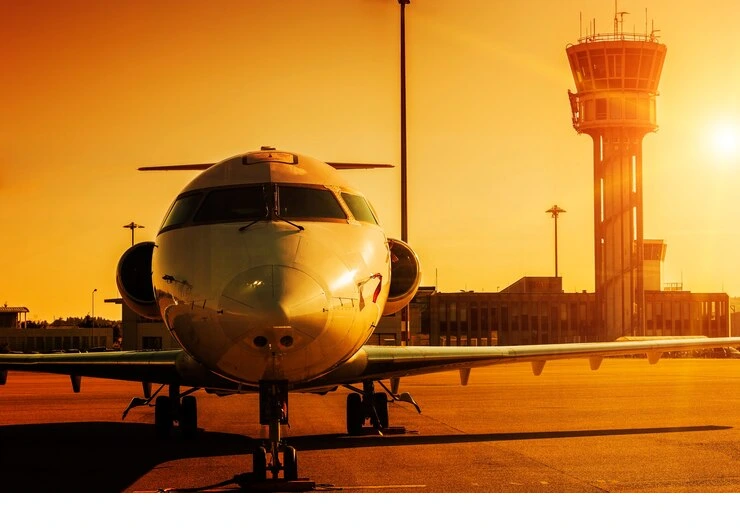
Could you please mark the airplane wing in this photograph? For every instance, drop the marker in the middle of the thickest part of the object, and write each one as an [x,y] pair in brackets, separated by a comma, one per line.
[156,366]
[378,362]
[369,363]
[137,366]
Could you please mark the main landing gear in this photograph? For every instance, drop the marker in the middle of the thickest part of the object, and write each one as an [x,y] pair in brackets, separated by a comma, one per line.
[367,404]
[173,408]
[274,414]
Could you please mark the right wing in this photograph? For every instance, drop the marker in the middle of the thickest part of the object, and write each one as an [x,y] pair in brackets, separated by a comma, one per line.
[377,362]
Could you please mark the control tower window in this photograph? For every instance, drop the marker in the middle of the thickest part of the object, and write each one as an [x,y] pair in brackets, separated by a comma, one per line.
[300,202]
[181,211]
[631,62]
[234,204]
[601,108]
[599,64]
[359,207]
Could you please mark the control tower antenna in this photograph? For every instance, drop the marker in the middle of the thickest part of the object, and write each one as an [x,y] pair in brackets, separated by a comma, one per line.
[616,77]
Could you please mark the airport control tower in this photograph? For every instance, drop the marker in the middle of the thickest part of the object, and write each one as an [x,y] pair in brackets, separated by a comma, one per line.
[616,76]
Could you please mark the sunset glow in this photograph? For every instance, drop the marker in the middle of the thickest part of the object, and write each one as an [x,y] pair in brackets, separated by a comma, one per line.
[94,90]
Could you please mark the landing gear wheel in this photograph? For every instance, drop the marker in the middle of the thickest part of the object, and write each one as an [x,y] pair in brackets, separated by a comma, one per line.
[259,464]
[380,402]
[163,417]
[290,464]
[189,417]
[355,414]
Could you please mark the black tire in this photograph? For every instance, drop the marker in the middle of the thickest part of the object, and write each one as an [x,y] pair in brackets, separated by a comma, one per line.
[380,401]
[163,417]
[259,464]
[355,414]
[290,464]
[189,417]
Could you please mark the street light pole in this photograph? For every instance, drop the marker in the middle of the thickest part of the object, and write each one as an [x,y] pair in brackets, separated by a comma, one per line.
[92,321]
[555,210]
[133,226]
[404,212]
[405,320]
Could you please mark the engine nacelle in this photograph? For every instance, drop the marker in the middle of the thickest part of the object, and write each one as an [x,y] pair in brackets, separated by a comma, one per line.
[134,280]
[405,276]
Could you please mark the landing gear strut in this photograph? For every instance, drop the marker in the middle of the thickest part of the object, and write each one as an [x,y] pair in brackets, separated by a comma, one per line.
[170,409]
[366,405]
[182,409]
[274,413]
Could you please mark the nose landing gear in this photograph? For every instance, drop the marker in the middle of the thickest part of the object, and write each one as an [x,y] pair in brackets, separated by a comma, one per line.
[274,414]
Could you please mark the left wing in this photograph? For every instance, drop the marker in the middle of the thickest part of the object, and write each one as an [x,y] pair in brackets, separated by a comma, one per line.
[157,366]
[137,366]
[377,363]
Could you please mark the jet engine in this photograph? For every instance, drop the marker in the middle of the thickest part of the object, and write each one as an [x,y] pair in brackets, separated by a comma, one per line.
[134,280]
[405,276]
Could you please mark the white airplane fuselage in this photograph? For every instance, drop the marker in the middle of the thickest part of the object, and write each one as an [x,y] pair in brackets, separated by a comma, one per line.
[276,295]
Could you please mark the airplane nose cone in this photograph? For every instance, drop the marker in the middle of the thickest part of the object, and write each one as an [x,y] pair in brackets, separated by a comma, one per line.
[273,308]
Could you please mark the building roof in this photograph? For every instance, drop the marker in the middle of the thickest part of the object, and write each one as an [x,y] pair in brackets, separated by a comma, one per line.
[13,309]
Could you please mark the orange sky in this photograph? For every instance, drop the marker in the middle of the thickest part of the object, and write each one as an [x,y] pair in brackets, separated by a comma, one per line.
[91,90]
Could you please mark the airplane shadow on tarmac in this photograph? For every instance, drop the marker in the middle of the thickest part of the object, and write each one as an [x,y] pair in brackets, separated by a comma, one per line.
[96,456]
[111,456]
[374,438]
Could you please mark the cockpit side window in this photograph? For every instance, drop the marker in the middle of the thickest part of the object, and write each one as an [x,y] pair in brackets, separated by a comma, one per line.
[181,210]
[360,208]
[244,203]
[298,202]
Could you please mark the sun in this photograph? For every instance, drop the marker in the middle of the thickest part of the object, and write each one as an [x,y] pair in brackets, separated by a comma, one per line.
[725,141]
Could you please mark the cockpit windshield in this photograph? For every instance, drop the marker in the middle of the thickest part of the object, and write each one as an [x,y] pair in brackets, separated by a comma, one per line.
[298,202]
[360,208]
[181,210]
[244,203]
[254,203]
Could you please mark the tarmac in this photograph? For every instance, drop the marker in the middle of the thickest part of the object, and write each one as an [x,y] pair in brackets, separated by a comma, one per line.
[629,427]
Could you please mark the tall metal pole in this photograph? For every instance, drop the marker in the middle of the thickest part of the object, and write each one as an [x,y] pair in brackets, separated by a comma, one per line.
[405,321]
[555,210]
[92,321]
[404,214]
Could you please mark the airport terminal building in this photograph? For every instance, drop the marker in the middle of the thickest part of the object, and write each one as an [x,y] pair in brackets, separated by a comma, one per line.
[535,310]
[17,336]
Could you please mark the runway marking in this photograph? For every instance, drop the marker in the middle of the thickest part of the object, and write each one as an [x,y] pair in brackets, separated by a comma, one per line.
[383,487]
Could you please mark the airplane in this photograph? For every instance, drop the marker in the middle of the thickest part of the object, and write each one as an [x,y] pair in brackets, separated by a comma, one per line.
[272,272]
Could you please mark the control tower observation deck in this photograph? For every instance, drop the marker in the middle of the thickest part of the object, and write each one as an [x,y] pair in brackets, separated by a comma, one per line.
[616,78]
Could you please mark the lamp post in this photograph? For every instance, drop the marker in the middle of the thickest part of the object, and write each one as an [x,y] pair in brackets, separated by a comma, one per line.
[133,226]
[555,210]
[404,213]
[405,321]
[92,320]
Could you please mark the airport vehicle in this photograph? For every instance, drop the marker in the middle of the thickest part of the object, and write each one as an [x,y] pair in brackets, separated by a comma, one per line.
[272,272]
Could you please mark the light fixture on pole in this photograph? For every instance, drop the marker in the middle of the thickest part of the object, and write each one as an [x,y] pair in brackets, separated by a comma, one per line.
[555,210]
[133,226]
